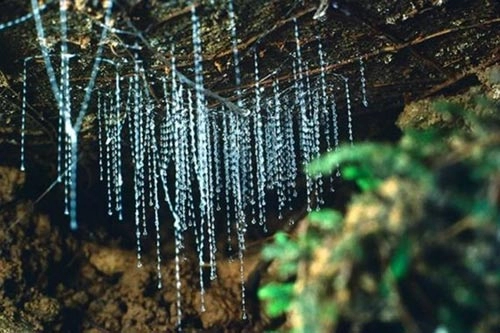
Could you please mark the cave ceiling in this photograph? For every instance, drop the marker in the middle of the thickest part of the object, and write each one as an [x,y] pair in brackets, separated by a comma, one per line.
[410,49]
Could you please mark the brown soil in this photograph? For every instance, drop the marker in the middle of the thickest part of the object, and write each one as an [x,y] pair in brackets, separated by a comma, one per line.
[52,281]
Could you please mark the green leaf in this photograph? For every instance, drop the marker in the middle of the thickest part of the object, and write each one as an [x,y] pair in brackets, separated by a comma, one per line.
[327,163]
[401,259]
[362,175]
[327,219]
[281,238]
[278,297]
[285,251]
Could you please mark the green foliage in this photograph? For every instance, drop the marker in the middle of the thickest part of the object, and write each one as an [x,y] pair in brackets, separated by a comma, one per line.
[400,261]
[326,219]
[278,297]
[426,220]
[369,163]
[287,250]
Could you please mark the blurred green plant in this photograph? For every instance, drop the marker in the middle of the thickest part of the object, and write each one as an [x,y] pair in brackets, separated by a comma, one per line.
[416,248]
